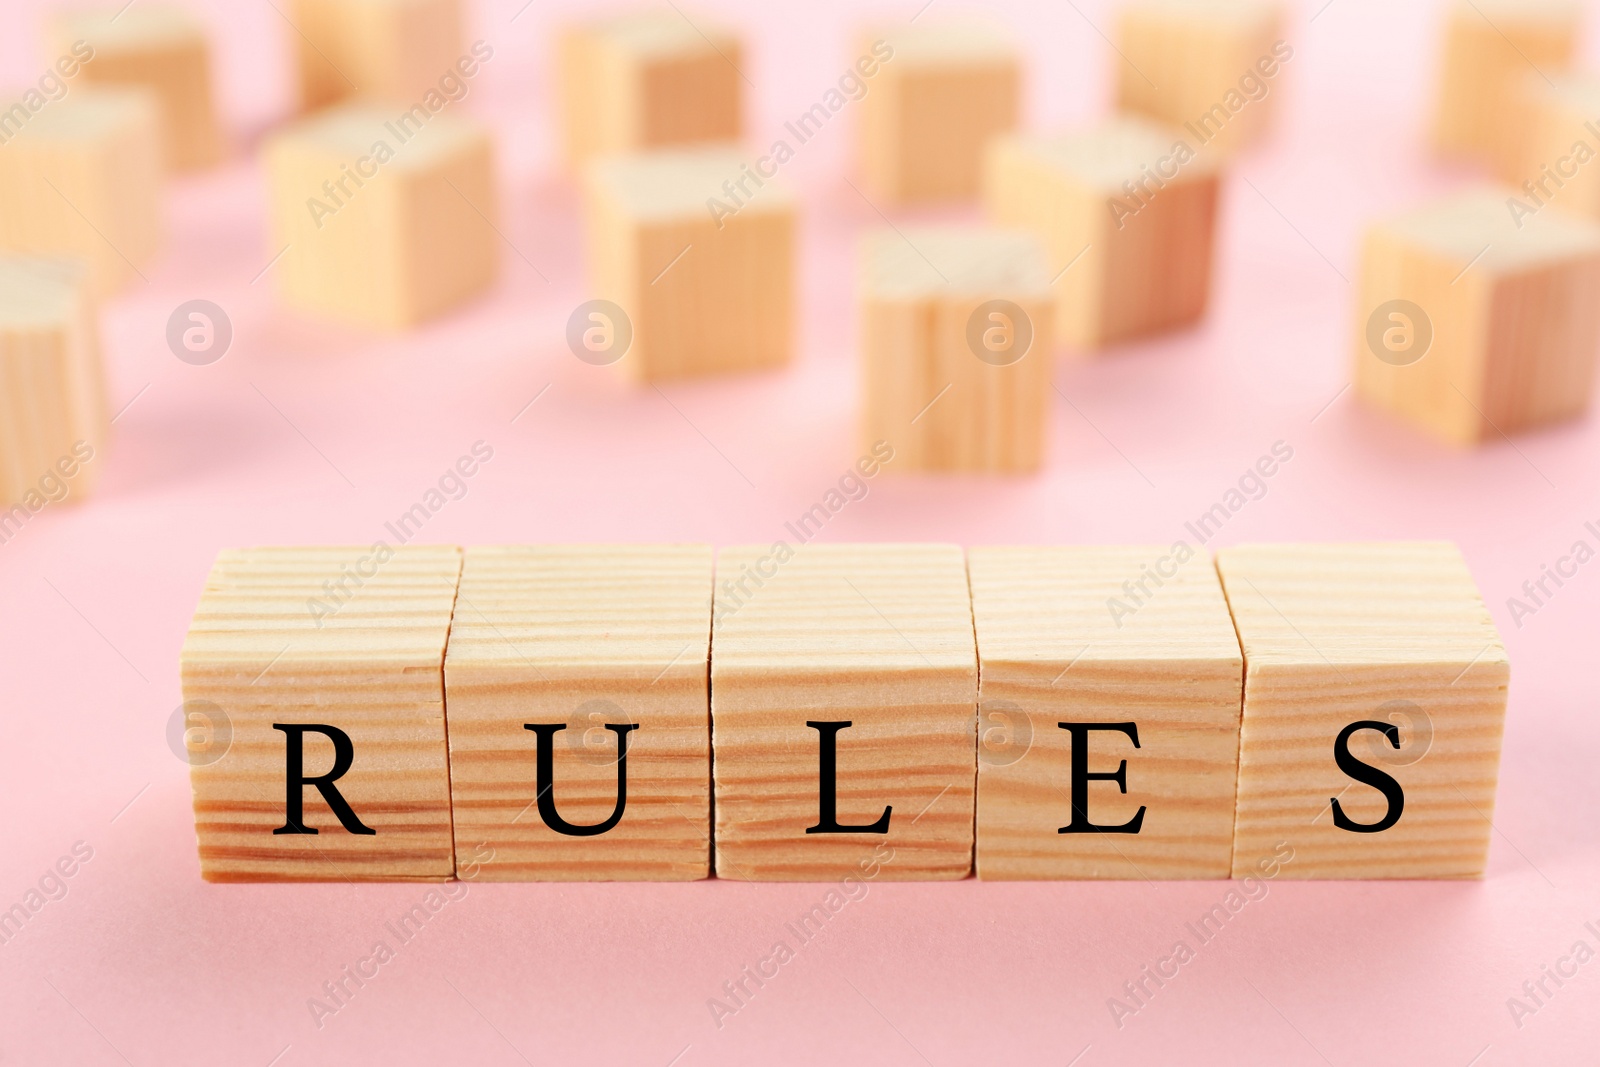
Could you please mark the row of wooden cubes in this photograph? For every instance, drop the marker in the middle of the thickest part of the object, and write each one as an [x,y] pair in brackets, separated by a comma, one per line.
[800,712]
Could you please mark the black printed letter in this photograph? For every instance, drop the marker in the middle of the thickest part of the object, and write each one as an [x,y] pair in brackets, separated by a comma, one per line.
[1082,776]
[344,754]
[1368,775]
[828,787]
[545,777]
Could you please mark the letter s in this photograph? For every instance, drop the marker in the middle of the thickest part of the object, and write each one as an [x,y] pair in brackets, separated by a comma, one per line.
[1368,775]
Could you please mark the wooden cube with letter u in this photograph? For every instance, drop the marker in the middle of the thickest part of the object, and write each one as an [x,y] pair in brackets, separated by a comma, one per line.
[313,685]
[1108,716]
[580,732]
[1374,702]
[844,693]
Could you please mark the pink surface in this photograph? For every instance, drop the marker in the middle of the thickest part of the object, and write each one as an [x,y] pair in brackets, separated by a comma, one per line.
[305,433]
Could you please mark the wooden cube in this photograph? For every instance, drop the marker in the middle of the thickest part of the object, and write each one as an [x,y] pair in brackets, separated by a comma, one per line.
[52,389]
[1489,46]
[601,646]
[942,92]
[1128,213]
[1208,67]
[1558,145]
[1108,713]
[1473,322]
[955,348]
[335,655]
[698,250]
[644,80]
[163,49]
[80,178]
[844,685]
[387,216]
[391,50]
[1374,700]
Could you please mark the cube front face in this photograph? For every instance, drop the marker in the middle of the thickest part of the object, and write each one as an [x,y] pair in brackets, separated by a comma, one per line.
[1487,48]
[1183,62]
[956,348]
[1069,651]
[382,242]
[1557,119]
[876,636]
[1491,332]
[337,654]
[1374,705]
[582,638]
[376,49]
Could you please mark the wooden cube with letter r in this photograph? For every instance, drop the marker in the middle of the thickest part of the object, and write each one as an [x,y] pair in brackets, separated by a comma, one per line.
[313,686]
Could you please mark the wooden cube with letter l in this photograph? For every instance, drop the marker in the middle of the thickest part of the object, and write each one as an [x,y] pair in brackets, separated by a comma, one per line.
[313,686]
[844,684]
[1374,703]
[1108,713]
[1476,320]
[580,720]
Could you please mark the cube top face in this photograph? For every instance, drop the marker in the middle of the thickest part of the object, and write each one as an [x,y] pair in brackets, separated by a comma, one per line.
[952,43]
[1358,605]
[626,612]
[110,31]
[1240,14]
[87,114]
[1474,224]
[322,663]
[350,131]
[309,611]
[1040,610]
[858,613]
[657,35]
[934,262]
[1119,150]
[1131,653]
[674,184]
[38,293]
[1531,15]
[1375,698]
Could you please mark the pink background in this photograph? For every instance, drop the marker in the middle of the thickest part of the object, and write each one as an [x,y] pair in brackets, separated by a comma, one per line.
[306,433]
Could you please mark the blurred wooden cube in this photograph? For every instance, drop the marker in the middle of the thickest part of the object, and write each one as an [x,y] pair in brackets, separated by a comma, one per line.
[1489,45]
[390,50]
[1559,143]
[644,80]
[52,389]
[1374,702]
[941,93]
[1128,213]
[1135,649]
[349,639]
[1473,323]
[387,219]
[1207,67]
[80,178]
[163,49]
[583,637]
[876,636]
[698,250]
[955,348]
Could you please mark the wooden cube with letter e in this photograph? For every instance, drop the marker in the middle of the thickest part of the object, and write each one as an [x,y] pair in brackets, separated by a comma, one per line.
[313,683]
[1374,703]
[844,691]
[1108,714]
[580,721]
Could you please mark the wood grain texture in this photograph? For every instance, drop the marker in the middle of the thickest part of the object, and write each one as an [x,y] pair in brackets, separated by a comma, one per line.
[1105,635]
[162,49]
[877,635]
[582,635]
[382,237]
[1128,219]
[1335,634]
[1184,60]
[644,80]
[1488,46]
[1513,307]
[81,179]
[343,636]
[933,384]
[53,418]
[706,293]
[377,49]
[943,91]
